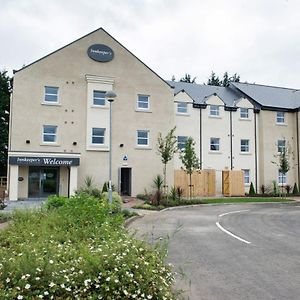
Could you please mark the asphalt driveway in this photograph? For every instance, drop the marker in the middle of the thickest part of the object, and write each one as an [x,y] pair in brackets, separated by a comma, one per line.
[248,251]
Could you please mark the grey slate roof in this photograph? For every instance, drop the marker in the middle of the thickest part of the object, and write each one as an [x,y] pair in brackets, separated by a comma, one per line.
[270,96]
[200,92]
[263,95]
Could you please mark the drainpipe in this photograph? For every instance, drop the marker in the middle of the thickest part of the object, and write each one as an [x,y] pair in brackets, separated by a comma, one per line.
[231,158]
[255,146]
[200,137]
[297,139]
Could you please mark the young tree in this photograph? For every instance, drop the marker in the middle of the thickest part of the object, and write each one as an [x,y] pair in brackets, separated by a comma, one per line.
[5,89]
[166,147]
[189,160]
[282,162]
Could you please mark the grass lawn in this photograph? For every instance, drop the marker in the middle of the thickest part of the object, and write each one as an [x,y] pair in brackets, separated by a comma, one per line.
[183,202]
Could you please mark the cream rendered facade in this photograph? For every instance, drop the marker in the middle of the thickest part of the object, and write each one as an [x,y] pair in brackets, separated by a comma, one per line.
[76,76]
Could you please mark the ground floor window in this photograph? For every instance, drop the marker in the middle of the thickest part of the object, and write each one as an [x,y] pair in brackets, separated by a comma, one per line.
[246,176]
[281,178]
[214,144]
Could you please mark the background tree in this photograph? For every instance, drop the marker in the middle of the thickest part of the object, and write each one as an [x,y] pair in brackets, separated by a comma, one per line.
[188,78]
[167,147]
[215,80]
[189,160]
[5,89]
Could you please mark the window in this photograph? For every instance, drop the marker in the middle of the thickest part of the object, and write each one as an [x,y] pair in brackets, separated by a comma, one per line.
[51,94]
[281,178]
[143,137]
[98,135]
[246,176]
[244,113]
[49,133]
[143,102]
[214,110]
[214,144]
[182,107]
[99,98]
[244,145]
[181,140]
[280,146]
[280,117]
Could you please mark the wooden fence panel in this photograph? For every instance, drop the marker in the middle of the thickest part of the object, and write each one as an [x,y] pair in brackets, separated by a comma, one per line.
[233,183]
[203,182]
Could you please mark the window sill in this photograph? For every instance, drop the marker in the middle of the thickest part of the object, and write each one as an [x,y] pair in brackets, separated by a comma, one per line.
[214,152]
[143,110]
[245,153]
[245,119]
[247,184]
[100,106]
[183,114]
[281,124]
[50,144]
[51,103]
[215,117]
[98,148]
[142,148]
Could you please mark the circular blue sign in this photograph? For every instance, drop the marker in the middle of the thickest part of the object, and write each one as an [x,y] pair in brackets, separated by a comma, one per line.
[101,53]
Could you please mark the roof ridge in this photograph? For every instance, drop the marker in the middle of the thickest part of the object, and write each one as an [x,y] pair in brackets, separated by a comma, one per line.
[265,85]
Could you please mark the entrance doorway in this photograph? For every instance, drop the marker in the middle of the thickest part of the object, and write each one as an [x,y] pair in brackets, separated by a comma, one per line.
[126,181]
[43,182]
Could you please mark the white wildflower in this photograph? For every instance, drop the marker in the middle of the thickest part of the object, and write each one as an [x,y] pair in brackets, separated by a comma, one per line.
[27,286]
[20,297]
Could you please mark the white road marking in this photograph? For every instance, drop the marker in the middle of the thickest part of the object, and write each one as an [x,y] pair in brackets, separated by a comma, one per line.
[227,231]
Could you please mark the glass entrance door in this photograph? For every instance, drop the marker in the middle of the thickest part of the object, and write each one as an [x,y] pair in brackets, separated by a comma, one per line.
[42,182]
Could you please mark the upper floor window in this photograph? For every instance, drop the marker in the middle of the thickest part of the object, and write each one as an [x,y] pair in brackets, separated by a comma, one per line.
[214,110]
[214,144]
[143,102]
[281,178]
[98,135]
[49,134]
[244,145]
[244,113]
[143,137]
[280,117]
[182,107]
[99,98]
[181,140]
[280,146]
[246,176]
[51,94]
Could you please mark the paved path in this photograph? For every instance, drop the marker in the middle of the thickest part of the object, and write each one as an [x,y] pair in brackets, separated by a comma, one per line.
[218,264]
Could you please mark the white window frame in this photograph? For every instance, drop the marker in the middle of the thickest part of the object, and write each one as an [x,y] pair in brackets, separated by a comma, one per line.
[245,146]
[246,176]
[98,135]
[140,102]
[280,117]
[182,107]
[217,145]
[244,113]
[99,98]
[142,138]
[50,134]
[281,178]
[181,140]
[51,94]
[281,144]
[214,110]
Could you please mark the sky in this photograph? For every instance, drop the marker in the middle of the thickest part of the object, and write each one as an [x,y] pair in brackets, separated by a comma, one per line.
[257,39]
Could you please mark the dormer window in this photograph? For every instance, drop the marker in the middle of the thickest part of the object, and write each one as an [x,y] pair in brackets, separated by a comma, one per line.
[182,107]
[214,110]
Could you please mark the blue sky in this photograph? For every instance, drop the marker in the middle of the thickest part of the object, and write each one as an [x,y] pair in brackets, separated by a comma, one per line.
[258,39]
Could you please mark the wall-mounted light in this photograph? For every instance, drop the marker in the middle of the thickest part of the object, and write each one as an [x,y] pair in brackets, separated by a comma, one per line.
[121,145]
[27,141]
[74,143]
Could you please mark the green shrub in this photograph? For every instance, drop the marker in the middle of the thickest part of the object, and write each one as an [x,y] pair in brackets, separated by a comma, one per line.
[295,189]
[116,200]
[252,190]
[55,201]
[78,251]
